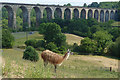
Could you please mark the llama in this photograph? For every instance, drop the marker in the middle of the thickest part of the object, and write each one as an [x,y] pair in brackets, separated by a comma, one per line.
[53,58]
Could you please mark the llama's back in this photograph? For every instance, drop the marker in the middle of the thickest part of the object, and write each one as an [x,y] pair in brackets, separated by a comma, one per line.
[51,57]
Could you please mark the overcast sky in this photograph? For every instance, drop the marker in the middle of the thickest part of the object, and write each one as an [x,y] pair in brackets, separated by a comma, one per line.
[56,2]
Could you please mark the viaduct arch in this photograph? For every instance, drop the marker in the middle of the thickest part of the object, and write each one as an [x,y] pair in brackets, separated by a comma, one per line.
[56,11]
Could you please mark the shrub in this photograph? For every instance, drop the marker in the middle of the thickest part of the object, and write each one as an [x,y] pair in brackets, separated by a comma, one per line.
[114,48]
[103,38]
[62,49]
[42,28]
[40,43]
[31,42]
[51,46]
[7,39]
[75,47]
[88,45]
[40,49]
[30,54]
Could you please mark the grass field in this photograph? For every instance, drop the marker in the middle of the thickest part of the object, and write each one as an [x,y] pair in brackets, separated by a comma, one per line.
[71,39]
[77,66]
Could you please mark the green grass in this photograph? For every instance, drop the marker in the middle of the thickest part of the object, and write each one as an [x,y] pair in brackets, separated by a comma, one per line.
[77,66]
[20,38]
[71,39]
[74,67]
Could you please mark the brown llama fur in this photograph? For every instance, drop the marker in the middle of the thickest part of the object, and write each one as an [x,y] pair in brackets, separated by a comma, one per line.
[53,58]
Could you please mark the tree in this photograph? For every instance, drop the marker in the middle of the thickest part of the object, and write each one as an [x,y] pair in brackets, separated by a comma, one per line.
[19,23]
[5,23]
[94,4]
[118,13]
[115,31]
[52,33]
[33,23]
[85,5]
[4,13]
[114,48]
[67,4]
[92,22]
[42,28]
[88,45]
[95,28]
[7,39]
[103,39]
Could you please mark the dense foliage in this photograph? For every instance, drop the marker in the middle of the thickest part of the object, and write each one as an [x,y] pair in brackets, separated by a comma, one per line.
[103,40]
[30,54]
[118,8]
[114,48]
[31,42]
[7,39]
[88,46]
[52,33]
[104,5]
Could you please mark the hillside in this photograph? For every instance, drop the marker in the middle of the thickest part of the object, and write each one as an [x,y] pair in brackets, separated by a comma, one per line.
[77,66]
[108,4]
[71,39]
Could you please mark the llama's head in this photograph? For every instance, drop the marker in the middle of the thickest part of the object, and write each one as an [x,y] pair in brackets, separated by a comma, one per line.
[68,54]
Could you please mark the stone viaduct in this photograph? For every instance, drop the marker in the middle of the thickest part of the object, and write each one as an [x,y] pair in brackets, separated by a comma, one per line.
[63,12]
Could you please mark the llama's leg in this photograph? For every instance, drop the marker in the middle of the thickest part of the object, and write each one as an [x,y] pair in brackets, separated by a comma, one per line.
[45,63]
[55,68]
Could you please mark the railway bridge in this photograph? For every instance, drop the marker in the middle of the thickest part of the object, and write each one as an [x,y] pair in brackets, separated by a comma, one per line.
[63,12]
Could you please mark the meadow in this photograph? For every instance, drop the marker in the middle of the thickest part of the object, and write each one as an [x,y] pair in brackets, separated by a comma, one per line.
[77,66]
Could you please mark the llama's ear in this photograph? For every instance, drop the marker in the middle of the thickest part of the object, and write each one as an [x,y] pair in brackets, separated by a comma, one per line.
[68,50]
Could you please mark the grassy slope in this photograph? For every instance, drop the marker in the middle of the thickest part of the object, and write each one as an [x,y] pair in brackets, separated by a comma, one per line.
[77,66]
[71,39]
[20,38]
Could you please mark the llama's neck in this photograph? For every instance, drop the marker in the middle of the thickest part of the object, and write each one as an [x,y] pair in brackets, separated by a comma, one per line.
[66,55]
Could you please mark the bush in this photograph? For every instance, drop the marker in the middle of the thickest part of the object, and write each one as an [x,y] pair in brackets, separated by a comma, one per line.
[31,42]
[42,28]
[40,49]
[103,38]
[62,49]
[88,45]
[40,43]
[51,46]
[30,54]
[7,39]
[114,48]
[75,47]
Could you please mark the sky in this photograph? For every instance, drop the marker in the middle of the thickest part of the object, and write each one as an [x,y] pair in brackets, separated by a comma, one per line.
[56,2]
